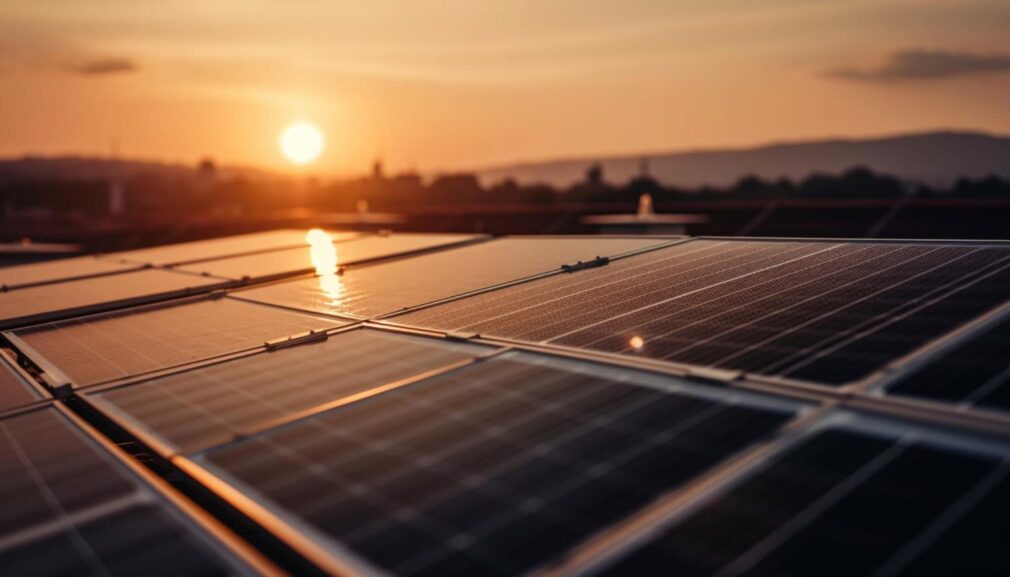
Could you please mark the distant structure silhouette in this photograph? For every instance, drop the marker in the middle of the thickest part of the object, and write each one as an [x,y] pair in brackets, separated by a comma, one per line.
[594,174]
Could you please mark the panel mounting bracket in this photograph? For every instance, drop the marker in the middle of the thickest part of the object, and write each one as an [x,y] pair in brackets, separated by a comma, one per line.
[581,265]
[297,339]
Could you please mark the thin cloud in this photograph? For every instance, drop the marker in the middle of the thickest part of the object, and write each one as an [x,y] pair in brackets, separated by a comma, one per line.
[910,65]
[106,66]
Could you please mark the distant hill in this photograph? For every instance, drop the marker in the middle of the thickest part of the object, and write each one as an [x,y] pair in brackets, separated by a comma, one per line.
[936,158]
[30,168]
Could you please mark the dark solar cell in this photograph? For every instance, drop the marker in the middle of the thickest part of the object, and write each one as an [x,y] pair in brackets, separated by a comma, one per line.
[14,392]
[976,372]
[198,408]
[52,301]
[494,469]
[140,540]
[842,503]
[69,509]
[388,287]
[822,311]
[100,348]
[48,471]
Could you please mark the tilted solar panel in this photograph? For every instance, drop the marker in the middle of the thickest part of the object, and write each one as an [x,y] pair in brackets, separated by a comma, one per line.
[387,287]
[826,311]
[99,348]
[185,252]
[846,500]
[493,469]
[206,406]
[13,277]
[14,392]
[975,372]
[307,258]
[65,299]
[70,509]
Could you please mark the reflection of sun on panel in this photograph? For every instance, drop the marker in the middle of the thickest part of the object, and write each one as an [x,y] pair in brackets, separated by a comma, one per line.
[325,260]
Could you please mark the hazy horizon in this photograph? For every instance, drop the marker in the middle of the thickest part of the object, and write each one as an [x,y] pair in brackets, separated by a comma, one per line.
[465,86]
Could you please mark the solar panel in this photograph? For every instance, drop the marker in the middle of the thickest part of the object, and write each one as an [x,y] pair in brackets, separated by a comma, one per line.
[185,252]
[387,287]
[70,509]
[104,347]
[53,301]
[496,468]
[975,372]
[300,260]
[198,408]
[14,391]
[846,501]
[830,312]
[54,271]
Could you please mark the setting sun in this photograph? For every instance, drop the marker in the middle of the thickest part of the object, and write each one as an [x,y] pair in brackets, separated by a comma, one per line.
[301,143]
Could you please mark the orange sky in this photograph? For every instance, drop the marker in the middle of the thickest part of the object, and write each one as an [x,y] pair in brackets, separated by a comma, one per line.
[459,83]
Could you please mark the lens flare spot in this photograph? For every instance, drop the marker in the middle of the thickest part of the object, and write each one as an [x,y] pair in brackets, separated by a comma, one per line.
[636,343]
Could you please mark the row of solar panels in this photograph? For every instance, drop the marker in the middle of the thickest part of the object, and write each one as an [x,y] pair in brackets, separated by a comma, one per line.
[565,440]
[826,313]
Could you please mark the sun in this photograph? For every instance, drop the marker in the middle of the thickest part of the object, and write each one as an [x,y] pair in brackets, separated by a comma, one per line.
[302,143]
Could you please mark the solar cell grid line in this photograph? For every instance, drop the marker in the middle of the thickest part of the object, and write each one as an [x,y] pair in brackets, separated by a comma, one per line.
[975,372]
[654,275]
[370,291]
[110,346]
[495,468]
[13,277]
[725,308]
[717,328]
[200,407]
[72,508]
[903,329]
[845,316]
[748,284]
[620,292]
[568,318]
[55,301]
[847,498]
[462,312]
[243,244]
[294,261]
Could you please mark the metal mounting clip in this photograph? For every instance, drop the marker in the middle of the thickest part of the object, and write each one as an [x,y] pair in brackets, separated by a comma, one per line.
[598,261]
[297,339]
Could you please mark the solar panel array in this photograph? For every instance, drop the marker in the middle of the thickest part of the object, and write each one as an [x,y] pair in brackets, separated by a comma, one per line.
[385,288]
[457,405]
[820,311]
